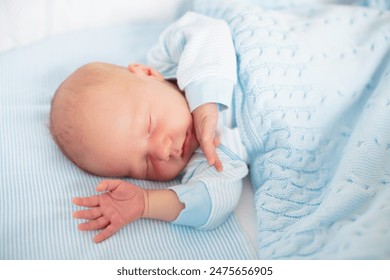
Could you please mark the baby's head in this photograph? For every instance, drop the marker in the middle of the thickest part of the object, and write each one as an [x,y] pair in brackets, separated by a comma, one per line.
[116,121]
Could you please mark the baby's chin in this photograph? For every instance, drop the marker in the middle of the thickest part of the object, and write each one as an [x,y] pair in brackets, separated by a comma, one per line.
[163,178]
[168,174]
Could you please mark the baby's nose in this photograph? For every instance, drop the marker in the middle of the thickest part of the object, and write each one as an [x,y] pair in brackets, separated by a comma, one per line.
[175,152]
[163,150]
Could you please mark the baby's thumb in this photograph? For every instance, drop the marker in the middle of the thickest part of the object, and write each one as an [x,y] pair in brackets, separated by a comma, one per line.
[107,185]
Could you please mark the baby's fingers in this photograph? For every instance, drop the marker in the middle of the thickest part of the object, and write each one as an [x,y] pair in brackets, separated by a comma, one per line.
[94,224]
[211,155]
[216,141]
[218,164]
[90,201]
[90,214]
[106,233]
[108,185]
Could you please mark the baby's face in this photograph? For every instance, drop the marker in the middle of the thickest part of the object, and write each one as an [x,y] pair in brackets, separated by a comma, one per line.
[137,126]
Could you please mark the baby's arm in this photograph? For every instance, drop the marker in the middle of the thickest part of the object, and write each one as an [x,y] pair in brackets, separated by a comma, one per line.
[123,203]
[198,51]
[204,200]
[210,196]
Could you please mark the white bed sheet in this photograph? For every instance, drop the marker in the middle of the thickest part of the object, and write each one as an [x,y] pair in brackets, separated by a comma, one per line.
[246,213]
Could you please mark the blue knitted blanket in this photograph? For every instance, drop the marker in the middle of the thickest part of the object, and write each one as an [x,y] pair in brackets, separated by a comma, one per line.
[314,111]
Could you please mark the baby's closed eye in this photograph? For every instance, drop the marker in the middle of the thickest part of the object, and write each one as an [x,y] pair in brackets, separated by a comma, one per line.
[150,125]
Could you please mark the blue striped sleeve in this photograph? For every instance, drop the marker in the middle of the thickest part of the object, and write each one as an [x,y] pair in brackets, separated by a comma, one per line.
[193,48]
[212,89]
[221,190]
[197,204]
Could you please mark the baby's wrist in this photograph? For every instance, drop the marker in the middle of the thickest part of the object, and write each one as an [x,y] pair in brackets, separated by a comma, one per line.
[162,205]
[206,106]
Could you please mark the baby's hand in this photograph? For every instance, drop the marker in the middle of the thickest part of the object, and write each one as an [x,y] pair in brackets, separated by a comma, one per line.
[205,121]
[121,204]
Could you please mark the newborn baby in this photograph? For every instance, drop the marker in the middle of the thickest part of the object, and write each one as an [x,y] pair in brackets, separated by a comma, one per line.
[135,122]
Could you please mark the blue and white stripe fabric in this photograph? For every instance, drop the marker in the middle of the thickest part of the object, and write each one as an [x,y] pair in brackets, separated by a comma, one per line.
[37,182]
[222,189]
[198,52]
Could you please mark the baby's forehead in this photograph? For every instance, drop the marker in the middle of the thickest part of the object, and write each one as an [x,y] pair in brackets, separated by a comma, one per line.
[111,88]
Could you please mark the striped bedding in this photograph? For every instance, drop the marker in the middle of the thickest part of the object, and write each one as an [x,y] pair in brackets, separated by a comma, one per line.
[37,182]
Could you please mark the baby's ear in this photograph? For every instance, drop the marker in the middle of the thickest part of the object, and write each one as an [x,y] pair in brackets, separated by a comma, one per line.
[140,69]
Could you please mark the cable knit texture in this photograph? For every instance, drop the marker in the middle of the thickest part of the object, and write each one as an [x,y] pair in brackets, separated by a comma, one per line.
[314,99]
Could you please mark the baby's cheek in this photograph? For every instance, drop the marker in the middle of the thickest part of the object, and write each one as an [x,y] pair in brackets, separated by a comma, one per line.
[168,170]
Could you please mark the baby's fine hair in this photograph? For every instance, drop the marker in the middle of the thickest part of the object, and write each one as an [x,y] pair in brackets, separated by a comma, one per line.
[64,116]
